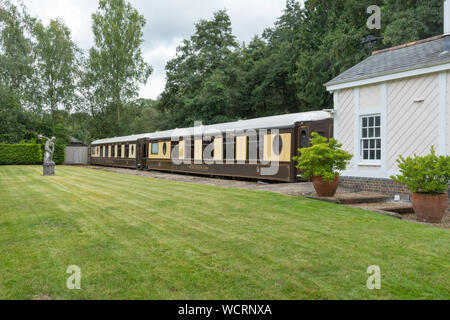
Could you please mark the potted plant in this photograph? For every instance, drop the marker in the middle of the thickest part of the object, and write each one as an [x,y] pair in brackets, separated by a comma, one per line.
[427,178]
[322,162]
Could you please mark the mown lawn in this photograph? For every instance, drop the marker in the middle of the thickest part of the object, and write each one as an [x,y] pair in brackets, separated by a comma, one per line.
[140,238]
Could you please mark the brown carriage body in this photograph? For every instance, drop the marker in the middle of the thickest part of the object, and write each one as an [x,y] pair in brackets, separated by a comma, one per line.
[116,152]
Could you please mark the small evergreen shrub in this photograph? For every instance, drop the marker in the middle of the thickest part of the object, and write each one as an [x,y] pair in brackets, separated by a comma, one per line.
[323,159]
[27,153]
[428,174]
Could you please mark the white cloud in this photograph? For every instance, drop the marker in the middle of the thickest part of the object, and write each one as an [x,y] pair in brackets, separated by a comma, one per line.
[168,22]
[158,57]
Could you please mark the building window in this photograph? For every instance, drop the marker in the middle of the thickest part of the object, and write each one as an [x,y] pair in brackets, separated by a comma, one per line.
[371,137]
[155,148]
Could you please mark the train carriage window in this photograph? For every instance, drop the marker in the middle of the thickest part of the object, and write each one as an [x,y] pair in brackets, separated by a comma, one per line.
[164,149]
[277,145]
[176,149]
[155,148]
[119,151]
[102,151]
[252,148]
[127,151]
[132,150]
[93,150]
[206,142]
[229,146]
[113,151]
[304,141]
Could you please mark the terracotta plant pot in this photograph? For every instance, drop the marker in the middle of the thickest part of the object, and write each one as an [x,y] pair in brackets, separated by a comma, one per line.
[429,207]
[325,189]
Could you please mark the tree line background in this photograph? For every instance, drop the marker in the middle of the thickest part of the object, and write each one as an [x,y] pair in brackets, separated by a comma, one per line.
[48,85]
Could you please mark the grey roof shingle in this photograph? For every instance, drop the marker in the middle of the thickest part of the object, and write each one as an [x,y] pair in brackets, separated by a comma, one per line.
[420,54]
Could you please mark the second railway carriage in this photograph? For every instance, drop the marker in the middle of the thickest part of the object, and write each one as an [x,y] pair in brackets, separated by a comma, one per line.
[241,149]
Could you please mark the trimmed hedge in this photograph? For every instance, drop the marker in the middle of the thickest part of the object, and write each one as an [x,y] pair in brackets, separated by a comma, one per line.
[20,154]
[60,154]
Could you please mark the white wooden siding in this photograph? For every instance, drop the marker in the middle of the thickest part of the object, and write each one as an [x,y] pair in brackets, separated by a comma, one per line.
[345,130]
[412,127]
[447,125]
[370,98]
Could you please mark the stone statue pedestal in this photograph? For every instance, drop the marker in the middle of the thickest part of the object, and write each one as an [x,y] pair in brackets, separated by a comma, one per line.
[49,169]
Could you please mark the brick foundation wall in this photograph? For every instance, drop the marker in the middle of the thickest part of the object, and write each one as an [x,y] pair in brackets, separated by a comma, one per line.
[384,186]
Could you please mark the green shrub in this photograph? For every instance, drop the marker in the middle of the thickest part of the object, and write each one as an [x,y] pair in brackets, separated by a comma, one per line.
[428,174]
[323,159]
[20,153]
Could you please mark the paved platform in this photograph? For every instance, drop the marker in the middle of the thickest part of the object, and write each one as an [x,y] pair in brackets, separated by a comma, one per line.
[398,207]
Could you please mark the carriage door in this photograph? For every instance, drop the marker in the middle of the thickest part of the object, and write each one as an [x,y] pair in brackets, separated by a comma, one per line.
[141,154]
[304,137]
[303,140]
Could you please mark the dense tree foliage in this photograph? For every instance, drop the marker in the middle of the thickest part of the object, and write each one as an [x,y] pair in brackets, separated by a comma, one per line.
[49,86]
[16,48]
[116,61]
[57,66]
[284,69]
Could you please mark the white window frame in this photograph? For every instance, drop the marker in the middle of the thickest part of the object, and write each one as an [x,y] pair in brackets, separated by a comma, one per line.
[376,162]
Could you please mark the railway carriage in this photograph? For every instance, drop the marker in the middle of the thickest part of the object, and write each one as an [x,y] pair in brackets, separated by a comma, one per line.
[241,149]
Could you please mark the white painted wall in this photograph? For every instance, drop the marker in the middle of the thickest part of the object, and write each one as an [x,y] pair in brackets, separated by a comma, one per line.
[409,125]
[345,120]
[447,124]
[413,127]
[370,98]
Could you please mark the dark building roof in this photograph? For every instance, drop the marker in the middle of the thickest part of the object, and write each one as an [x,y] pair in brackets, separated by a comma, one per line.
[76,143]
[419,54]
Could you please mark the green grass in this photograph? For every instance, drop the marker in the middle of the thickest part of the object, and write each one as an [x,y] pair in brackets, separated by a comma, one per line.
[141,238]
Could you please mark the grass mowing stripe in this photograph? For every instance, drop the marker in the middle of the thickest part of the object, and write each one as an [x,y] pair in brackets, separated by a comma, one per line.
[145,238]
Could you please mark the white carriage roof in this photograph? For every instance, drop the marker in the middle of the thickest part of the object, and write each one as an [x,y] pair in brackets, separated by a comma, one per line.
[282,121]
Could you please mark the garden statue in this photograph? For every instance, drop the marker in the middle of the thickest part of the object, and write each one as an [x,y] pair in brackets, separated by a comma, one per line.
[49,165]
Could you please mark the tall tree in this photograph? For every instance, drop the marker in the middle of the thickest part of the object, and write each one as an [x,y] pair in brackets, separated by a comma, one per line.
[197,84]
[116,61]
[410,20]
[56,65]
[16,55]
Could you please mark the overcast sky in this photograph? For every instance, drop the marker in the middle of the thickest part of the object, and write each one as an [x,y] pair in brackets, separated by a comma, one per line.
[168,22]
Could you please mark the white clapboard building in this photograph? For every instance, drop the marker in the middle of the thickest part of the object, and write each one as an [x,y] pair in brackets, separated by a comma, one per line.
[396,102]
